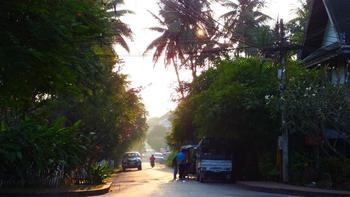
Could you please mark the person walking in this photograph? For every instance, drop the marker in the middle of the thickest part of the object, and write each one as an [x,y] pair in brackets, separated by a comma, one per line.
[180,159]
[175,166]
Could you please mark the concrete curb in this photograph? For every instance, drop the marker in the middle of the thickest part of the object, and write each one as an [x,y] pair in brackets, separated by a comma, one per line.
[105,189]
[300,191]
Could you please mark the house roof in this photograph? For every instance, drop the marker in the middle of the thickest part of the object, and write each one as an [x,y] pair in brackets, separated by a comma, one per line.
[338,12]
[326,53]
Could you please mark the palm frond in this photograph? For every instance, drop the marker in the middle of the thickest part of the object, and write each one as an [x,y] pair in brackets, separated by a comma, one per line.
[121,28]
[158,29]
[157,18]
[119,13]
[112,4]
[158,41]
[260,14]
[120,40]
[170,52]
[230,4]
[230,14]
[159,51]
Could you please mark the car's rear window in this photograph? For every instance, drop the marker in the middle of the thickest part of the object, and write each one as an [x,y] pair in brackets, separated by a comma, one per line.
[131,155]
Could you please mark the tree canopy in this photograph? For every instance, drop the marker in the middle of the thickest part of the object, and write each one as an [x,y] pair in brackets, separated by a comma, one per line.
[62,107]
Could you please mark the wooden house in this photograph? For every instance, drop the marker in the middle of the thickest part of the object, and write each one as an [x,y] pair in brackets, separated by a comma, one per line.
[327,39]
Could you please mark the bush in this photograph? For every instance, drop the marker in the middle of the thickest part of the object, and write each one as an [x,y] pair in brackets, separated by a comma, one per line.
[169,160]
[36,153]
[98,172]
[302,170]
[267,168]
[339,170]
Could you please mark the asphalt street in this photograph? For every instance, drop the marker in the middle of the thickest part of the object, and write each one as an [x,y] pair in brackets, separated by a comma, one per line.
[157,182]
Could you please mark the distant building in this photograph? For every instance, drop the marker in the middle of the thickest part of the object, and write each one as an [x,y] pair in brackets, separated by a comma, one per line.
[165,123]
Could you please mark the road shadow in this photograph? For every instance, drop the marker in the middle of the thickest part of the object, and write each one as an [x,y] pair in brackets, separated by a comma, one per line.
[129,171]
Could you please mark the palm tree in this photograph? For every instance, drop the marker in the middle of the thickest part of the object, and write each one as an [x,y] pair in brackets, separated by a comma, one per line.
[242,22]
[120,29]
[185,29]
[297,25]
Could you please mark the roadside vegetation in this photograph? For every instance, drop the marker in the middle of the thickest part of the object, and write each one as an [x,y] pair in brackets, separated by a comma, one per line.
[239,100]
[62,107]
[237,94]
[66,113]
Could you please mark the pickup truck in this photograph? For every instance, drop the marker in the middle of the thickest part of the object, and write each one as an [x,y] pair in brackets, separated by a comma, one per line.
[213,160]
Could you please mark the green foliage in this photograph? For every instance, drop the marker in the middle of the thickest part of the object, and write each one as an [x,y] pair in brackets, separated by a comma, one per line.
[240,100]
[98,172]
[57,60]
[180,42]
[267,167]
[244,25]
[314,104]
[34,149]
[169,159]
[297,25]
[233,105]
[339,170]
[50,47]
[302,168]
[230,101]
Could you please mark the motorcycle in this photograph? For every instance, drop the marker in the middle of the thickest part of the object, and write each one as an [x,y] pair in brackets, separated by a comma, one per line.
[152,163]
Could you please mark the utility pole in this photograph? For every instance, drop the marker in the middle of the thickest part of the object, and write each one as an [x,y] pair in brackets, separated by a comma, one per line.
[282,71]
[282,48]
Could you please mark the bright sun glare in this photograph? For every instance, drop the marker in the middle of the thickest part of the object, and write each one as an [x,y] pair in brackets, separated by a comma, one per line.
[200,33]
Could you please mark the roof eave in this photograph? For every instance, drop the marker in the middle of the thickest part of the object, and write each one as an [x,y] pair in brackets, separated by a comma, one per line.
[326,53]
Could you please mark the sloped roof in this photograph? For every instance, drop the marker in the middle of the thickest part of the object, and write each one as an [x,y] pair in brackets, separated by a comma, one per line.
[338,11]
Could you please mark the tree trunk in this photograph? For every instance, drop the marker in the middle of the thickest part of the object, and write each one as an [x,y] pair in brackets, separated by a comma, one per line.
[178,80]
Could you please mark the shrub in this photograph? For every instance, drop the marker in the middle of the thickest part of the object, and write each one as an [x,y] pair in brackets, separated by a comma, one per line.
[267,168]
[98,172]
[339,170]
[302,169]
[37,153]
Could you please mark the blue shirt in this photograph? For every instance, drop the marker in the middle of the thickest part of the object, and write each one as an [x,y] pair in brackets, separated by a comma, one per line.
[180,157]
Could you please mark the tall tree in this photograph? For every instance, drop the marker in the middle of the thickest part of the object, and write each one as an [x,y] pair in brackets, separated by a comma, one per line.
[242,22]
[296,26]
[187,29]
[62,107]
[121,30]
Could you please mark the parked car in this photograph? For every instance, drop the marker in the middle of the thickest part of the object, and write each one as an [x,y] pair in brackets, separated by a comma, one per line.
[132,160]
[214,159]
[159,157]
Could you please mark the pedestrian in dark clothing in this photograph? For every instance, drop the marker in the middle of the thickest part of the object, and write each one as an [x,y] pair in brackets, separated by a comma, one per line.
[180,158]
[175,166]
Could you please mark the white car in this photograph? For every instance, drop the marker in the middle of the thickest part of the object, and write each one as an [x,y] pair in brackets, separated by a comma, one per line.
[159,157]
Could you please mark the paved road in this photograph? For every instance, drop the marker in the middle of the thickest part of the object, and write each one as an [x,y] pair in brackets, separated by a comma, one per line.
[157,182]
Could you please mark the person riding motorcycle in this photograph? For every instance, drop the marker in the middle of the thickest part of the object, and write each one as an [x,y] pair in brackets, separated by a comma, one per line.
[152,159]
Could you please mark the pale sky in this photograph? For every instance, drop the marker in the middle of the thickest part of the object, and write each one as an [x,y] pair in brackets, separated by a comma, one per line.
[158,82]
